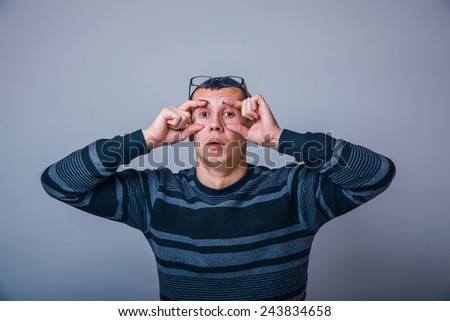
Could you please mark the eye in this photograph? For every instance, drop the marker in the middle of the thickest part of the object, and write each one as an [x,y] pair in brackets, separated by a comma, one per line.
[228,114]
[203,114]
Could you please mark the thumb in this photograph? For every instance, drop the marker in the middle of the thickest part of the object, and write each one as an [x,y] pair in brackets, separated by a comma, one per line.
[239,129]
[191,129]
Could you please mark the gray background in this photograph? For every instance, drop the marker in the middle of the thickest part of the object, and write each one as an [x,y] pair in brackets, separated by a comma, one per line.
[374,72]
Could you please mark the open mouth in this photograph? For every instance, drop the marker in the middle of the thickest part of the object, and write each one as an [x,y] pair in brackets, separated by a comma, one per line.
[215,144]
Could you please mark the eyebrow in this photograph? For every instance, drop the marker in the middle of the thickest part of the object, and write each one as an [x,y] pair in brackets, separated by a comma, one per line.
[209,103]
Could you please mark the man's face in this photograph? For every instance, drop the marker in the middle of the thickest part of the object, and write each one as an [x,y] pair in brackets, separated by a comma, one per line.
[215,144]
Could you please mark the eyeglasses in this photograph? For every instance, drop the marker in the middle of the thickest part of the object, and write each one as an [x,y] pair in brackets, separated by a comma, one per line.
[208,82]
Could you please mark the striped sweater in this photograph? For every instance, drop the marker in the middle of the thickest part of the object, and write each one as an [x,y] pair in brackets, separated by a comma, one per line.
[248,241]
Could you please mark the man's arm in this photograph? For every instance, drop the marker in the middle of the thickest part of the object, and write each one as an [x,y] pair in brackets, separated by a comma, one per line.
[336,177]
[88,178]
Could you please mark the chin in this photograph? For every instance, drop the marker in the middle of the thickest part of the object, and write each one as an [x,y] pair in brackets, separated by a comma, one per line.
[213,162]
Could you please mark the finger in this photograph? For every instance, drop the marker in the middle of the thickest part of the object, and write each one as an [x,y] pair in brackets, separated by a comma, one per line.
[180,119]
[188,105]
[190,129]
[184,114]
[253,114]
[172,112]
[253,108]
[174,120]
[253,104]
[185,118]
[233,103]
[246,110]
[239,129]
[173,123]
[261,103]
[183,123]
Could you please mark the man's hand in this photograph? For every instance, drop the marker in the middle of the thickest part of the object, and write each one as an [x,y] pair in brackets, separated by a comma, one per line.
[264,129]
[172,125]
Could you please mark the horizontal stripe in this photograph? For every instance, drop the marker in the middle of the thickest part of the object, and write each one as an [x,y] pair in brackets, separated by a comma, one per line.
[233,268]
[253,287]
[235,274]
[300,236]
[94,164]
[257,180]
[223,222]
[195,200]
[195,258]
[236,201]
[250,294]
[298,295]
[230,241]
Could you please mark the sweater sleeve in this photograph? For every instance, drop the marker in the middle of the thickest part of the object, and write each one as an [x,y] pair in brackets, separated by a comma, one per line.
[335,177]
[88,179]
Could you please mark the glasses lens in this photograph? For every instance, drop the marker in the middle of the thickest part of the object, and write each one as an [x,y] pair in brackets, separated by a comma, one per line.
[231,81]
[202,81]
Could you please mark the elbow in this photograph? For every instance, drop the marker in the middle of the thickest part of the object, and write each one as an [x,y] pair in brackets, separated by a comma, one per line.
[391,170]
[46,182]
[387,176]
[58,189]
[50,187]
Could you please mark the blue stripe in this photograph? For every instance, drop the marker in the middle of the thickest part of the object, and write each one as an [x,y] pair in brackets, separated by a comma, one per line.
[237,256]
[235,274]
[233,268]
[255,287]
[222,246]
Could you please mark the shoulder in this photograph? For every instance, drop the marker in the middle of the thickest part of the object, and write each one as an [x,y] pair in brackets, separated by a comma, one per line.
[158,178]
[168,179]
[278,175]
[290,176]
[263,171]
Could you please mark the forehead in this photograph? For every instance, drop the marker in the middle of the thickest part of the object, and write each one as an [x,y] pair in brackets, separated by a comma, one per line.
[218,95]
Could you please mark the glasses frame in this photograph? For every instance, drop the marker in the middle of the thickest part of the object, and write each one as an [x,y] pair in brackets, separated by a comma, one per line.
[242,85]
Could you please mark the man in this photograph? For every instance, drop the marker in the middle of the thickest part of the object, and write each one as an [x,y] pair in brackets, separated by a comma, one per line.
[225,229]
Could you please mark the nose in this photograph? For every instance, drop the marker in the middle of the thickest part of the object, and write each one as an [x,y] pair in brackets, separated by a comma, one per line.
[215,123]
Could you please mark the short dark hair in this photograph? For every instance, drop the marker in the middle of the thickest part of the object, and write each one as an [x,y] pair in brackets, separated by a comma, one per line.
[218,87]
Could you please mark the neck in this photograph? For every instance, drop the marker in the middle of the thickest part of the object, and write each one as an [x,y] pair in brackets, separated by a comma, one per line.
[219,177]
